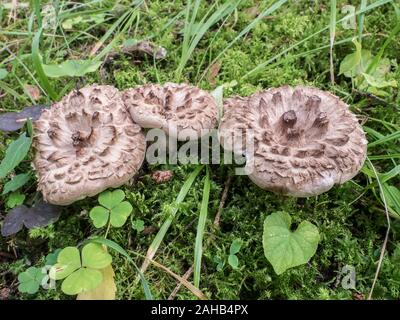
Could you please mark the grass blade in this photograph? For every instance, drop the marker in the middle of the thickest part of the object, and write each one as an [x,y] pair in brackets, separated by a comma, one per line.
[37,63]
[361,20]
[167,223]
[246,30]
[385,139]
[261,66]
[113,245]
[332,28]
[198,249]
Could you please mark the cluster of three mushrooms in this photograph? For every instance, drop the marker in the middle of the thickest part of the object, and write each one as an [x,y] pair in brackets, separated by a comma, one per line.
[306,140]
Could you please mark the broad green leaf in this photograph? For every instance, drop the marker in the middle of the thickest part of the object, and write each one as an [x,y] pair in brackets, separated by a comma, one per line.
[100,216]
[235,246]
[68,261]
[120,213]
[30,280]
[17,182]
[105,290]
[81,280]
[233,261]
[71,68]
[351,62]
[379,82]
[285,249]
[15,153]
[3,73]
[15,199]
[110,199]
[94,256]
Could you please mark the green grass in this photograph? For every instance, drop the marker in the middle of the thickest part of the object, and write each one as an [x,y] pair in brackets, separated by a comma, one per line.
[258,45]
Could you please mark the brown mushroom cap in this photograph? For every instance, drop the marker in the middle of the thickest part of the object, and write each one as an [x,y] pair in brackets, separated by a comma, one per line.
[305,139]
[180,110]
[85,144]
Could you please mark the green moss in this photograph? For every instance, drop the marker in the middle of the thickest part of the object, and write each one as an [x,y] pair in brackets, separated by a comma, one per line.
[351,233]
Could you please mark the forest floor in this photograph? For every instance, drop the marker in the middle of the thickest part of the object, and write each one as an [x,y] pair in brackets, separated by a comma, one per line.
[246,52]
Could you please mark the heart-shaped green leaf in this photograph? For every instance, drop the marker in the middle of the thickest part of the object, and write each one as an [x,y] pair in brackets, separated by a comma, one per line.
[94,256]
[81,280]
[110,199]
[100,216]
[285,249]
[120,213]
[68,261]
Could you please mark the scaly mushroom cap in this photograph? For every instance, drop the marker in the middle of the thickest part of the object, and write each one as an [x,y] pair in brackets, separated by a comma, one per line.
[180,110]
[85,144]
[305,139]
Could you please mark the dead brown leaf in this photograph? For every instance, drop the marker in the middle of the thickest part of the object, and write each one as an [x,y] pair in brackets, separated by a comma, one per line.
[161,176]
[33,91]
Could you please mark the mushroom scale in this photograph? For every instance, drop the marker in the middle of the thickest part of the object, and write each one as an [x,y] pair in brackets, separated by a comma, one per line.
[85,144]
[305,140]
[181,110]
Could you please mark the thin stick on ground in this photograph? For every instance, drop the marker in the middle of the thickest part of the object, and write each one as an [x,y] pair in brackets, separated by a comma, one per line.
[383,250]
[216,222]
[186,276]
[222,203]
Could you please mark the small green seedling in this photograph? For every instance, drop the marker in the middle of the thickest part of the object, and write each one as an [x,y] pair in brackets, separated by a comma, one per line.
[233,251]
[284,248]
[113,210]
[80,271]
[138,225]
[30,280]
[220,263]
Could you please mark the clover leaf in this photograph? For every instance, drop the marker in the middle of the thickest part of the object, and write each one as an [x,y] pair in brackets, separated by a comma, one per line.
[80,271]
[284,248]
[51,258]
[30,280]
[233,250]
[138,225]
[112,209]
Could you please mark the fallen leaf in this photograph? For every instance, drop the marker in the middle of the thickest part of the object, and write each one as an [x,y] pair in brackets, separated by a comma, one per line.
[41,215]
[138,48]
[33,92]
[105,290]
[161,176]
[12,121]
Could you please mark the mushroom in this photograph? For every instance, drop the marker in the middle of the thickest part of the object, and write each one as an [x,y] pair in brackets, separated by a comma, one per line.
[181,110]
[85,144]
[305,140]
